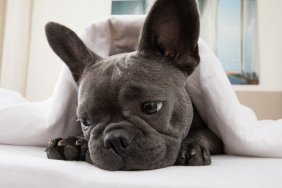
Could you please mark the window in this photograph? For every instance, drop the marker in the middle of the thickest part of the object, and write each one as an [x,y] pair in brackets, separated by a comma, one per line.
[123,7]
[228,26]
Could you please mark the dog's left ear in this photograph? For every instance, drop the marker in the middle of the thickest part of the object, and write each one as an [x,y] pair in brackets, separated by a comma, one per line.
[172,31]
[69,47]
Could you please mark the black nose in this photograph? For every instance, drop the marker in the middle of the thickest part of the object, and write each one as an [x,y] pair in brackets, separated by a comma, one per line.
[118,140]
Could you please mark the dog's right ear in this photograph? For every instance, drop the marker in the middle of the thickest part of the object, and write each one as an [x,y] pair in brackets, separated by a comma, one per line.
[68,46]
[171,30]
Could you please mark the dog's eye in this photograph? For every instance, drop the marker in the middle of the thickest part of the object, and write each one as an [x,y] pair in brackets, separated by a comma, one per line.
[85,122]
[151,107]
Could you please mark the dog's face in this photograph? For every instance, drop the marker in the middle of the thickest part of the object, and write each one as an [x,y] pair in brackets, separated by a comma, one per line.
[133,108]
[132,112]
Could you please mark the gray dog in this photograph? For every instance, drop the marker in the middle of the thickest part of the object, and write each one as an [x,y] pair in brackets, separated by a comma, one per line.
[134,109]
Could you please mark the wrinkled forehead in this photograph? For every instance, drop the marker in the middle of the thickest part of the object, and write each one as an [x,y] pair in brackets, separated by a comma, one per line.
[131,70]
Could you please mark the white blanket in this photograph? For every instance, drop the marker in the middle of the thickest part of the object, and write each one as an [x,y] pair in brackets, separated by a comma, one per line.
[26,123]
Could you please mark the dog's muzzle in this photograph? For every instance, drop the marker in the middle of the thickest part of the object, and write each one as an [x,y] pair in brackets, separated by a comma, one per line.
[118,140]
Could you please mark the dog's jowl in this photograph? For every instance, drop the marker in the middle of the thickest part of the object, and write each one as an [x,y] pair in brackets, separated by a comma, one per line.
[134,110]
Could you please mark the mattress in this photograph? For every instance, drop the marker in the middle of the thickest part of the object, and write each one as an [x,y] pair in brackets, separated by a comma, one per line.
[23,166]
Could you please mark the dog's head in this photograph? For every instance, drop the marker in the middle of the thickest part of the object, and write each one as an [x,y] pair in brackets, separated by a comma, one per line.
[133,107]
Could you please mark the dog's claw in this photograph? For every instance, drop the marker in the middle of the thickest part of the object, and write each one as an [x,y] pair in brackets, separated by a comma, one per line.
[78,142]
[54,141]
[193,152]
[62,142]
[206,154]
[182,155]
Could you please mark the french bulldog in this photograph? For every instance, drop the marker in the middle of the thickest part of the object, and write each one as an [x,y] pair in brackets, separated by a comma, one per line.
[134,109]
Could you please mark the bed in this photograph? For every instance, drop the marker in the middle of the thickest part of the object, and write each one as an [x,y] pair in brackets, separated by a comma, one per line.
[28,167]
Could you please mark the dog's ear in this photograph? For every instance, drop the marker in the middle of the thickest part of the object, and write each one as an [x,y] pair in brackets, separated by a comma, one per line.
[172,31]
[68,46]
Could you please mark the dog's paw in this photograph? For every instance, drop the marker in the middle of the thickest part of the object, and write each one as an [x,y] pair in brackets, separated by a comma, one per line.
[194,154]
[70,148]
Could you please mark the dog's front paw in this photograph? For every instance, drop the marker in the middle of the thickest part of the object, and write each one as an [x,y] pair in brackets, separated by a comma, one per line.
[70,148]
[194,154]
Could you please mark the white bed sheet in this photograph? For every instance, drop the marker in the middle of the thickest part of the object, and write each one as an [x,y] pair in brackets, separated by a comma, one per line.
[24,166]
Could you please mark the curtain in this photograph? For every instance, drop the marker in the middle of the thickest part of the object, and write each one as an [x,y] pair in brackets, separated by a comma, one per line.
[209,11]
[14,58]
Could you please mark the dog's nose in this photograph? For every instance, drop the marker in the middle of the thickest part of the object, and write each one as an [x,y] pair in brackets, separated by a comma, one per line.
[118,140]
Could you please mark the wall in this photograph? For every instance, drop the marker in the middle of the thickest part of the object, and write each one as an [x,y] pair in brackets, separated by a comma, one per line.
[2,21]
[44,65]
[267,105]
[270,42]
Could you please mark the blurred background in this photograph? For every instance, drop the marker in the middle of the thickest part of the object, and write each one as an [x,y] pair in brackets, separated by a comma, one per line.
[244,34]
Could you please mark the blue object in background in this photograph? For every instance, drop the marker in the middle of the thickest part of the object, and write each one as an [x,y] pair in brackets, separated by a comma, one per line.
[126,7]
[229,34]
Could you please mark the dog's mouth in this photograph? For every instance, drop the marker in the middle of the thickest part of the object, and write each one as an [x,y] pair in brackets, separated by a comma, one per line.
[142,154]
[129,159]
